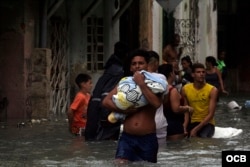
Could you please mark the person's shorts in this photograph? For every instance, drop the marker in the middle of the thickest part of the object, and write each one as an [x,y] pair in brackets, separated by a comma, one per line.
[174,128]
[137,148]
[206,132]
[77,131]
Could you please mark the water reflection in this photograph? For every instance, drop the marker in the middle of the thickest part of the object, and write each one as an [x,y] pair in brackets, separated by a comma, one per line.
[49,144]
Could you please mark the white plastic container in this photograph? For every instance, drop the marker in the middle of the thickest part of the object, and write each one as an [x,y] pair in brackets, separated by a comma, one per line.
[233,105]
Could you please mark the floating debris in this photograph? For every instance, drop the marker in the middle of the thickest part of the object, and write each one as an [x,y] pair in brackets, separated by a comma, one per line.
[21,124]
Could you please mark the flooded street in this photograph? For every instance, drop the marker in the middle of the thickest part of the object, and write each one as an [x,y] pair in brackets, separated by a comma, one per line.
[49,144]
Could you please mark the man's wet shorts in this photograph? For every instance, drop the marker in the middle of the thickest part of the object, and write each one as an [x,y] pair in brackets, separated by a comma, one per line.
[137,148]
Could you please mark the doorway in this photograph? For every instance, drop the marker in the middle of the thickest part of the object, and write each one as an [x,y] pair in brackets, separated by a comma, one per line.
[233,33]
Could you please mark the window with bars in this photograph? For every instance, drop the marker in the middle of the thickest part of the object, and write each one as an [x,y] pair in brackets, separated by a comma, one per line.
[95,48]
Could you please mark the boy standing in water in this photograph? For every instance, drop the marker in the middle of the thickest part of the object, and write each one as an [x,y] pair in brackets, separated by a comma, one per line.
[138,141]
[78,109]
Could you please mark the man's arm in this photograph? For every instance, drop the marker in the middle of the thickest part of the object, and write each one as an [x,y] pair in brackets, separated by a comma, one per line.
[212,105]
[152,99]
[221,81]
[175,103]
[108,103]
[183,94]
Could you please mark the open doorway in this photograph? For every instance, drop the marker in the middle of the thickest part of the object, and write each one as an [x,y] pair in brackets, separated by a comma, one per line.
[129,25]
[233,34]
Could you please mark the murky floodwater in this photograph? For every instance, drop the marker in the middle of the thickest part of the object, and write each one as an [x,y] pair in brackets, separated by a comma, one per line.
[49,144]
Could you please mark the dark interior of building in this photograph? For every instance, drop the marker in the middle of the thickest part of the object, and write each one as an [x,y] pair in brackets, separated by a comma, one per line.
[233,33]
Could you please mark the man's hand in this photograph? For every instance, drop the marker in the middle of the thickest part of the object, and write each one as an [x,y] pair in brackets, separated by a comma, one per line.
[193,133]
[185,130]
[139,78]
[191,110]
[225,92]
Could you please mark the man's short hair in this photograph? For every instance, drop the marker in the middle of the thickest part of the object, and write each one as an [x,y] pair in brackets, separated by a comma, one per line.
[166,69]
[140,52]
[197,65]
[154,55]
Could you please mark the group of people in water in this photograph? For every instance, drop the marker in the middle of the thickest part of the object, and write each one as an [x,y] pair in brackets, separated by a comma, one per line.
[184,109]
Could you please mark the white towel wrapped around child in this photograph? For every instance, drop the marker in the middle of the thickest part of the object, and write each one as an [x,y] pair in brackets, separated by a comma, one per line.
[129,93]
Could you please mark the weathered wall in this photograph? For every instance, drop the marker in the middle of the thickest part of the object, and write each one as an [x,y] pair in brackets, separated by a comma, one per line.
[204,15]
[145,29]
[40,82]
[17,40]
[12,56]
[78,30]
[20,34]
[157,28]
[207,30]
[11,71]
[29,26]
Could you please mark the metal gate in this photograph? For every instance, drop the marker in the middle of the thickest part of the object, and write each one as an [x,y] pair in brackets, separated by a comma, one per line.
[59,69]
[186,30]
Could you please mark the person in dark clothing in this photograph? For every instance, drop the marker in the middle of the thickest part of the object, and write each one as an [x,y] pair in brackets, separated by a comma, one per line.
[120,53]
[213,75]
[176,113]
[98,127]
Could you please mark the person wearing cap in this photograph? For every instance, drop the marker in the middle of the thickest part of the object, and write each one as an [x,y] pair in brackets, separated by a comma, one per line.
[213,75]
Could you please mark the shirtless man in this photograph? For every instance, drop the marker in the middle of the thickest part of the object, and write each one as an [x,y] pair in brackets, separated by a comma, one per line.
[170,53]
[139,125]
